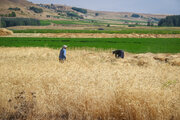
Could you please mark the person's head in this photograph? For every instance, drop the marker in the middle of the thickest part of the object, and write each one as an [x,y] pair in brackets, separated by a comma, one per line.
[65,46]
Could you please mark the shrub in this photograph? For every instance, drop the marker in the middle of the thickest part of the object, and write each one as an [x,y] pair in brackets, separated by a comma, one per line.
[135,15]
[13,14]
[100,28]
[16,9]
[96,14]
[73,14]
[131,25]
[126,16]
[48,16]
[79,10]
[2,15]
[150,23]
[36,10]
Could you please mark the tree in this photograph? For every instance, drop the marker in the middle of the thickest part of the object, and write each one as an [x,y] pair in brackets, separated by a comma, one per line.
[131,25]
[126,16]
[36,10]
[150,23]
[170,21]
[80,10]
[74,15]
[135,15]
[16,9]
[13,14]
[96,14]
[48,16]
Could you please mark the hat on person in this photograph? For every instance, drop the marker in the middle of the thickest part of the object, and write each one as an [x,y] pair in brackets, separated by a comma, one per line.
[65,46]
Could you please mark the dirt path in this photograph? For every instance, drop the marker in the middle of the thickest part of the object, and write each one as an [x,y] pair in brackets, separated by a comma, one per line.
[94,35]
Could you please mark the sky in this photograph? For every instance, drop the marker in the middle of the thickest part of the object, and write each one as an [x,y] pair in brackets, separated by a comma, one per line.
[137,6]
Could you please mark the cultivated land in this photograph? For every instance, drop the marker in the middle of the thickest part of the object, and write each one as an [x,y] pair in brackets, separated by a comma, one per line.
[77,28]
[92,31]
[89,85]
[123,31]
[133,45]
[93,35]
[92,84]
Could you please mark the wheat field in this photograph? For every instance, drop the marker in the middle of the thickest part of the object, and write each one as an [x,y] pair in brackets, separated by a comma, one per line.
[90,85]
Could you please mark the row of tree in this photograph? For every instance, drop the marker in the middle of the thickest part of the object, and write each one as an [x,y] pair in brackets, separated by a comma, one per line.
[8,22]
[170,21]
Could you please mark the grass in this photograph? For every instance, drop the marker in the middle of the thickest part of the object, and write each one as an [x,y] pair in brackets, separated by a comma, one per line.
[123,31]
[131,21]
[72,22]
[44,22]
[87,22]
[133,45]
[88,86]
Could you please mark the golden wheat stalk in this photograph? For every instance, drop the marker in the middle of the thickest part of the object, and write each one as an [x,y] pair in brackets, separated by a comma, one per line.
[89,85]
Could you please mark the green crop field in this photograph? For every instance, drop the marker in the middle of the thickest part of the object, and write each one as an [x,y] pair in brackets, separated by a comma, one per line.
[121,20]
[133,45]
[72,22]
[123,31]
[45,22]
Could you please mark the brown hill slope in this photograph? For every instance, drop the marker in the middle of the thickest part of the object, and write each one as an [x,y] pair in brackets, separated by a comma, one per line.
[24,11]
[104,15]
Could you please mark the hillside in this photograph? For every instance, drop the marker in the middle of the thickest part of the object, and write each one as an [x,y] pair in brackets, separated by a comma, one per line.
[103,15]
[24,7]
[54,11]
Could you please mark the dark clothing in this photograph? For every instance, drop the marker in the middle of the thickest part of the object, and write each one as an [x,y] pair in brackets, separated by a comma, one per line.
[62,55]
[119,53]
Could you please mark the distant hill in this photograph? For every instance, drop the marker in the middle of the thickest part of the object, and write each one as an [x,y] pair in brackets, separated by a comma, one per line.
[7,6]
[24,8]
[91,14]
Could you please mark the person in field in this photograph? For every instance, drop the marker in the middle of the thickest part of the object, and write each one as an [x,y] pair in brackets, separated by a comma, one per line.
[62,54]
[119,53]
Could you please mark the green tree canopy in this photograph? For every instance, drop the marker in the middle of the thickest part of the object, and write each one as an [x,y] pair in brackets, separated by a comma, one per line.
[170,21]
[8,22]
[80,10]
[36,10]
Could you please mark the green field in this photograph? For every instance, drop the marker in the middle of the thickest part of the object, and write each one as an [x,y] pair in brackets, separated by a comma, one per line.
[131,21]
[133,45]
[123,31]
[45,22]
[90,22]
[72,22]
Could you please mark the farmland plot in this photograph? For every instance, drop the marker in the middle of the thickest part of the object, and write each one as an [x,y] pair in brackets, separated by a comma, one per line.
[89,85]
